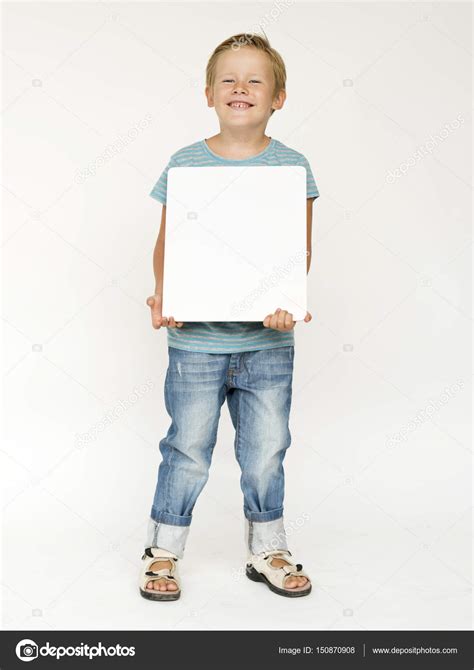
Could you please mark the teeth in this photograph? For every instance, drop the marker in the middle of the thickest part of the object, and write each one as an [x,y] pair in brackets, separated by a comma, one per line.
[241,105]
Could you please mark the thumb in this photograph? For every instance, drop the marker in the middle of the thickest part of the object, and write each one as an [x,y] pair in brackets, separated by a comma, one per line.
[154,301]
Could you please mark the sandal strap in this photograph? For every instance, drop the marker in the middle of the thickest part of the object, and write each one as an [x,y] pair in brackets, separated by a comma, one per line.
[276,553]
[290,570]
[157,552]
[277,575]
[165,572]
[155,555]
[157,577]
[284,554]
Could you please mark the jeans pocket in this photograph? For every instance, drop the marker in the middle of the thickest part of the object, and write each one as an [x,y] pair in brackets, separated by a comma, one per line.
[194,366]
[270,368]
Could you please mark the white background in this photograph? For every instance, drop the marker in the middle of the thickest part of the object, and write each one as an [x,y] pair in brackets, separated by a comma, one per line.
[384,496]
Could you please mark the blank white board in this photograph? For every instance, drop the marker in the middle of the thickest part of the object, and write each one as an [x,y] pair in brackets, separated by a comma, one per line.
[235,243]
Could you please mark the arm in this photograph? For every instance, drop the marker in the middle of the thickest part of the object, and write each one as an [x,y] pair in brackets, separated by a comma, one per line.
[159,255]
[156,301]
[309,225]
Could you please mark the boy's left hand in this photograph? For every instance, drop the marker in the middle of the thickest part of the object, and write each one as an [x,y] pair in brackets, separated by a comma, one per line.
[282,320]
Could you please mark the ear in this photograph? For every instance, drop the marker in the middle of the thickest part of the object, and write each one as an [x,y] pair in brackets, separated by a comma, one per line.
[209,96]
[279,100]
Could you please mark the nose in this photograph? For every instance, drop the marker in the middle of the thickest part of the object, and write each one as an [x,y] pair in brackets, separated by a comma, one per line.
[239,88]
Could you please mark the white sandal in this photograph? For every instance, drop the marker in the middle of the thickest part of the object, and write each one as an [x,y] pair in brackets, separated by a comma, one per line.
[260,569]
[151,555]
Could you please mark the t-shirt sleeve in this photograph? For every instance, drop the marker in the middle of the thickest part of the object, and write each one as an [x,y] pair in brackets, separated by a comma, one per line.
[311,188]
[159,190]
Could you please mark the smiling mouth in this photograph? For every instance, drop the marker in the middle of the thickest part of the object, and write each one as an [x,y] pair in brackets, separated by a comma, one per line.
[239,105]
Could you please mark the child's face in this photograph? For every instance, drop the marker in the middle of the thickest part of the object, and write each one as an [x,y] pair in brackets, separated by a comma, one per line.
[244,74]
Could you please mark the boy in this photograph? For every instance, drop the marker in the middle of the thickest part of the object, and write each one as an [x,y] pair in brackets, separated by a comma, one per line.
[248,363]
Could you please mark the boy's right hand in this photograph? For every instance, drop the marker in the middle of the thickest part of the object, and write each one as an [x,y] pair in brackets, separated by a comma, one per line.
[155,302]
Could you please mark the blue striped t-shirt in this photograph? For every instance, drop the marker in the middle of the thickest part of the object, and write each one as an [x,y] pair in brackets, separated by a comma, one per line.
[219,337]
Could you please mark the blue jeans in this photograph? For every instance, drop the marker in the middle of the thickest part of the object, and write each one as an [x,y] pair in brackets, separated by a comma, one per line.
[258,389]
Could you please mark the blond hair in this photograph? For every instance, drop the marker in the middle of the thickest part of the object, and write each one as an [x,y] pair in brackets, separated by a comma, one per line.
[249,40]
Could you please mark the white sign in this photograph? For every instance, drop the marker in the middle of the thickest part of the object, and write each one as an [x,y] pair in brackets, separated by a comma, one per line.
[235,243]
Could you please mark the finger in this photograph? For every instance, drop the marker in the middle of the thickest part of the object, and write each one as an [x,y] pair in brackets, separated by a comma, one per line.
[308,317]
[155,312]
[266,321]
[172,323]
[156,315]
[289,321]
[154,305]
[179,324]
[164,321]
[274,320]
[154,300]
[281,318]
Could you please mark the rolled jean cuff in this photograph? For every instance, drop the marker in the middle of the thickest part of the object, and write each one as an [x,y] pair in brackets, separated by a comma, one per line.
[167,536]
[171,519]
[265,535]
[271,515]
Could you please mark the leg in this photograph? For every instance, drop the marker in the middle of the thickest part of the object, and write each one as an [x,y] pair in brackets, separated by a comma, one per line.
[260,407]
[194,394]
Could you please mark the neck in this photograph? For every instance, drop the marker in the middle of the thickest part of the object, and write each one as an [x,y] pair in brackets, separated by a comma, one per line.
[239,141]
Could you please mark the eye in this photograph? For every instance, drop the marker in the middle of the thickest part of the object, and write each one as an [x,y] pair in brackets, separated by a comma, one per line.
[224,81]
